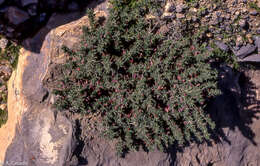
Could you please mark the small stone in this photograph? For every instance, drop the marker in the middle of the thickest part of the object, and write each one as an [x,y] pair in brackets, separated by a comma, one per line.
[243,23]
[222,46]
[194,18]
[249,38]
[236,48]
[168,16]
[245,51]
[179,8]
[73,6]
[3,107]
[28,2]
[180,16]
[2,1]
[237,13]
[169,7]
[239,41]
[16,16]
[253,13]
[258,31]
[193,10]
[32,10]
[42,17]
[257,43]
[5,70]
[209,35]
[251,58]
[227,16]
[3,43]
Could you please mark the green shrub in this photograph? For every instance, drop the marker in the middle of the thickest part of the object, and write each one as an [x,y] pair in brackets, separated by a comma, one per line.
[3,117]
[149,90]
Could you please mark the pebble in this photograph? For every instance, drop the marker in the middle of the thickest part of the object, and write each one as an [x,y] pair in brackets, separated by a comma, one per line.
[3,106]
[209,35]
[251,58]
[222,46]
[249,38]
[180,16]
[179,8]
[168,16]
[254,13]
[257,43]
[73,6]
[243,23]
[169,7]
[245,51]
[239,41]
[2,1]
[28,2]
[32,10]
[3,43]
[258,31]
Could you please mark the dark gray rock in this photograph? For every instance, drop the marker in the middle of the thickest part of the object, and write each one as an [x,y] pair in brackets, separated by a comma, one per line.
[222,46]
[16,16]
[179,8]
[257,42]
[258,31]
[254,13]
[243,23]
[251,58]
[245,51]
[73,6]
[3,43]
[28,2]
[2,1]
[32,10]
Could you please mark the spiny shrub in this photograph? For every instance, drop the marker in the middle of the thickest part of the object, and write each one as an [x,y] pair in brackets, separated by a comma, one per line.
[150,91]
[3,117]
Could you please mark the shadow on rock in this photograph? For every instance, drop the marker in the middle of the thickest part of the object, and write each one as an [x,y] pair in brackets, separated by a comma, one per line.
[230,109]
[236,113]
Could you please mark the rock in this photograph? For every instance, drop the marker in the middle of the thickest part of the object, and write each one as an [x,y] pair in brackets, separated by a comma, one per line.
[73,6]
[243,23]
[169,7]
[2,1]
[168,16]
[258,31]
[222,46]
[28,2]
[209,35]
[257,43]
[239,41]
[16,16]
[6,70]
[251,58]
[245,51]
[179,8]
[3,43]
[254,13]
[249,38]
[32,10]
[3,106]
[180,16]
